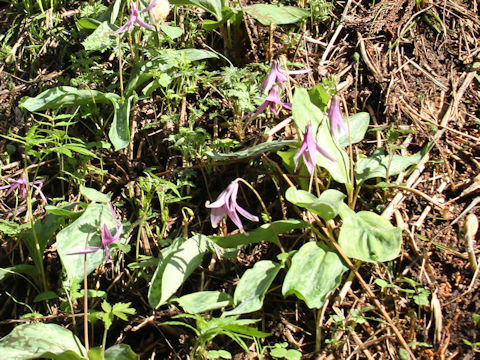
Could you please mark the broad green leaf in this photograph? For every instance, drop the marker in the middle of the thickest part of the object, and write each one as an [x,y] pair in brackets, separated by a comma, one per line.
[227,13]
[197,54]
[64,96]
[217,354]
[94,195]
[203,301]
[268,14]
[358,127]
[265,232]
[326,206]
[102,39]
[253,285]
[315,272]
[319,97]
[46,295]
[381,165]
[175,265]
[145,70]
[305,112]
[20,269]
[39,340]
[288,160]
[74,237]
[253,151]
[368,237]
[119,133]
[115,352]
[44,231]
[214,7]
[172,32]
[88,23]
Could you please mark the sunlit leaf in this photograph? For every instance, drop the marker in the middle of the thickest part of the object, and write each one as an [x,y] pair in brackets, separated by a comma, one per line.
[315,272]
[326,206]
[268,14]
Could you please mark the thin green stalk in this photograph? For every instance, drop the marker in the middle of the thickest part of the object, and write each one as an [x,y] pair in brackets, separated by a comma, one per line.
[282,249]
[104,343]
[85,303]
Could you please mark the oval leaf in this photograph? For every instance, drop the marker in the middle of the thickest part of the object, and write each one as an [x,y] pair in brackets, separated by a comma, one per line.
[30,342]
[368,237]
[268,14]
[253,285]
[358,127]
[202,301]
[253,151]
[315,272]
[326,206]
[176,264]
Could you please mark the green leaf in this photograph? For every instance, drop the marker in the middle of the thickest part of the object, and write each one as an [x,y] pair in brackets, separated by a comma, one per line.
[102,39]
[304,111]
[121,310]
[215,354]
[20,269]
[203,301]
[265,232]
[119,133]
[29,341]
[175,265]
[315,272]
[74,237]
[115,352]
[253,285]
[173,32]
[88,23]
[319,97]
[94,195]
[65,96]
[271,146]
[368,237]
[214,7]
[196,54]
[358,127]
[227,13]
[381,165]
[326,206]
[268,14]
[46,295]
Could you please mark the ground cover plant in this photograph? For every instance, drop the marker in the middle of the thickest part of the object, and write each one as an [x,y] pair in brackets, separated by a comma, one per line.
[211,179]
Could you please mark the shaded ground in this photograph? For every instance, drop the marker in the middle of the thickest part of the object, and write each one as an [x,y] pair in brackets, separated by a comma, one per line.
[413,67]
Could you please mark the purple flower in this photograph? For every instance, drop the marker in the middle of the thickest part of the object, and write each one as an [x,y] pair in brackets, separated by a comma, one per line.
[106,238]
[271,102]
[226,205]
[135,18]
[309,149]
[335,116]
[21,185]
[277,76]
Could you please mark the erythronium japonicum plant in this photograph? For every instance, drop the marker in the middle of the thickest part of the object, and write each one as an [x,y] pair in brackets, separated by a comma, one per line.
[106,239]
[134,17]
[309,149]
[271,102]
[226,205]
[21,185]
[277,76]
[335,115]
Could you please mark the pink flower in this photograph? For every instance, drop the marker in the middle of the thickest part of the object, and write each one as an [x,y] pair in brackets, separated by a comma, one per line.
[277,76]
[226,205]
[271,102]
[309,149]
[335,116]
[134,18]
[21,185]
[106,238]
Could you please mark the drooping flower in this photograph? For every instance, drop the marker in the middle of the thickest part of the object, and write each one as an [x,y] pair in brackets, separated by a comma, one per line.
[106,238]
[309,149]
[335,116]
[271,102]
[278,76]
[21,185]
[134,17]
[226,205]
